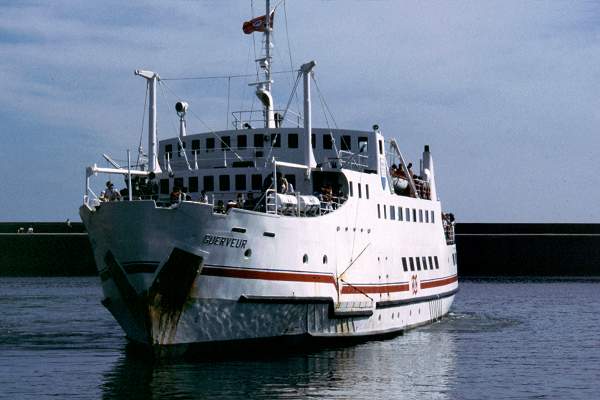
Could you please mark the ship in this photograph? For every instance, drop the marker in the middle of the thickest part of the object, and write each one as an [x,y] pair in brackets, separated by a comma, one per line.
[270,231]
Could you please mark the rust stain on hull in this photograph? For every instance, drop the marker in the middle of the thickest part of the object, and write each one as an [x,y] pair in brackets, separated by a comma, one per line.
[159,310]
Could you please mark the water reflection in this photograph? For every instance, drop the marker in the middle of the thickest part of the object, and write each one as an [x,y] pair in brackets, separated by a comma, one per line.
[419,364]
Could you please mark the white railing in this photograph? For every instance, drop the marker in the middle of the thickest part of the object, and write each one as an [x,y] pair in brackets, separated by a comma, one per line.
[247,119]
[350,160]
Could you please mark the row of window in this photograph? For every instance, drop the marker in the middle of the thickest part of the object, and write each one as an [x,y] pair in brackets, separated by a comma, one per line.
[359,187]
[427,216]
[418,263]
[240,183]
[259,139]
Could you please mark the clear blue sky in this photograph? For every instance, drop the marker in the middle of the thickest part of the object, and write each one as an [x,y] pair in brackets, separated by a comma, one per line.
[507,93]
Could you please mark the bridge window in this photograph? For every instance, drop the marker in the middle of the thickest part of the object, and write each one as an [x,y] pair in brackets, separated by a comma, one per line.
[414,215]
[420,215]
[242,141]
[378,207]
[384,212]
[400,214]
[437,264]
[293,140]
[275,140]
[193,184]
[178,182]
[225,143]
[224,184]
[424,262]
[359,192]
[196,144]
[351,189]
[404,264]
[412,264]
[430,262]
[363,144]
[381,147]
[313,139]
[210,143]
[392,212]
[240,182]
[407,214]
[367,190]
[259,140]
[346,142]
[432,217]
[209,183]
[256,182]
[327,141]
[427,216]
[164,186]
[418,263]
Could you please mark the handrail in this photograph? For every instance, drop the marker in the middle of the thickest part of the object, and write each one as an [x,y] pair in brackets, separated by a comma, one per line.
[239,120]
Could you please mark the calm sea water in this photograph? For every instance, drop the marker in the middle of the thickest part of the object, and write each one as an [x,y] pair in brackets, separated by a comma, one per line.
[536,339]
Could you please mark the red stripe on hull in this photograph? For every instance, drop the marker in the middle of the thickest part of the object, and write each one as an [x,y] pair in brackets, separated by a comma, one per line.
[403,287]
[440,282]
[267,275]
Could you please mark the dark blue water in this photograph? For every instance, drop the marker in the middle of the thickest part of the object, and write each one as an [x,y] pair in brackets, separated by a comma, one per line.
[503,340]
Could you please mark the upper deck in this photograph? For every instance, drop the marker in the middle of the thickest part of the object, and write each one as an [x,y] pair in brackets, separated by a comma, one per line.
[256,148]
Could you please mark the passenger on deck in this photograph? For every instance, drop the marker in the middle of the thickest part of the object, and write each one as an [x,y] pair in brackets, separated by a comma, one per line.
[240,200]
[249,204]
[203,196]
[327,198]
[410,172]
[220,207]
[340,194]
[110,194]
[176,195]
[401,173]
[282,184]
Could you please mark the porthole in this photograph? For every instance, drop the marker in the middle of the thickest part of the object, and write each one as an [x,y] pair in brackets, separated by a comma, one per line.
[325,259]
[368,230]
[305,259]
[338,228]
[248,253]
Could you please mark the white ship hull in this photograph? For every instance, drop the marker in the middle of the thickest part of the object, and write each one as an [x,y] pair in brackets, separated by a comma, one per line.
[184,276]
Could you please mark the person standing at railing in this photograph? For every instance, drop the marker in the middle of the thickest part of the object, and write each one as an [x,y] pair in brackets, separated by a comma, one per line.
[175,195]
[282,184]
[203,196]
[110,194]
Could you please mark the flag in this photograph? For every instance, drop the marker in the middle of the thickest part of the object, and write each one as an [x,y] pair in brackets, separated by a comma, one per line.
[257,24]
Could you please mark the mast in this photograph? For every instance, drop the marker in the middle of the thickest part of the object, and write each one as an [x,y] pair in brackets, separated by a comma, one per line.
[263,88]
[309,158]
[151,78]
[268,46]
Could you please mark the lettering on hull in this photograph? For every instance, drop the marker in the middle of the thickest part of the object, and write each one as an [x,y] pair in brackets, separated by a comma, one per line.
[214,240]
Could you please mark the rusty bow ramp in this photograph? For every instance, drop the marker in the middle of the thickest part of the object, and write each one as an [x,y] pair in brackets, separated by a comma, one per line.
[156,312]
